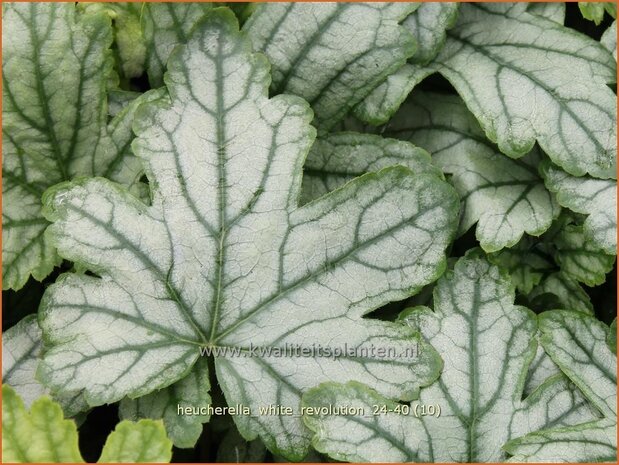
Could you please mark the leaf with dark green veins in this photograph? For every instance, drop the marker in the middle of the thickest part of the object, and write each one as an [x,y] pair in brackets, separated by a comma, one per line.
[577,343]
[505,197]
[128,37]
[339,157]
[527,78]
[192,392]
[21,353]
[579,258]
[56,65]
[331,54]
[554,11]
[527,262]
[487,344]
[428,25]
[596,198]
[380,105]
[247,269]
[164,26]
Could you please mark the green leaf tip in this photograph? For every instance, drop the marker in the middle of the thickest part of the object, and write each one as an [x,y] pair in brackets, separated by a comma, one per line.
[39,435]
[43,435]
[141,442]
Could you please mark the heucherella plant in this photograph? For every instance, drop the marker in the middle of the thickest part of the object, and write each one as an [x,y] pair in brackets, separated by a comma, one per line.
[367,232]
[225,274]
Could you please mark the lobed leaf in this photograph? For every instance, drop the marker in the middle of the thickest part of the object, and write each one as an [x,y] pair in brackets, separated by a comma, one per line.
[596,198]
[487,345]
[333,55]
[505,197]
[527,78]
[56,65]
[579,258]
[21,352]
[567,293]
[141,442]
[429,25]
[42,435]
[245,269]
[577,343]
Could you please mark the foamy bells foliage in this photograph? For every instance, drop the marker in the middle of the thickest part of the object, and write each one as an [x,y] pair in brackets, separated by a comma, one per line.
[487,344]
[56,67]
[245,267]
[527,78]
[42,435]
[506,197]
[580,345]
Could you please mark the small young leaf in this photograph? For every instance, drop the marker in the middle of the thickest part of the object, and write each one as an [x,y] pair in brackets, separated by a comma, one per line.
[527,78]
[42,435]
[335,59]
[487,344]
[594,11]
[246,269]
[141,442]
[39,435]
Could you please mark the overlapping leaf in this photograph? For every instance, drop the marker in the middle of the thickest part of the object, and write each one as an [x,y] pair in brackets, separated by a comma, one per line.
[428,25]
[333,55]
[487,344]
[580,259]
[527,263]
[578,344]
[560,291]
[21,353]
[56,66]
[42,435]
[527,78]
[504,196]
[339,157]
[596,198]
[225,260]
